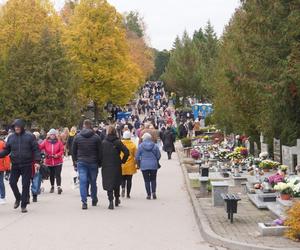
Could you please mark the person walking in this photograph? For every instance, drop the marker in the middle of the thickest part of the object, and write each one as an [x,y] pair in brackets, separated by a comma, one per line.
[168,142]
[111,162]
[4,166]
[87,156]
[147,158]
[54,152]
[23,150]
[36,175]
[129,168]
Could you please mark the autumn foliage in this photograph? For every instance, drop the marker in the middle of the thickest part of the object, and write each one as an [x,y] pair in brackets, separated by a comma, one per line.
[293,222]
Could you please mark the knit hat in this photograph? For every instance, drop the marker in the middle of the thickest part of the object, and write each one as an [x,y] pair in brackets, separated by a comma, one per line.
[127,135]
[52,132]
[147,136]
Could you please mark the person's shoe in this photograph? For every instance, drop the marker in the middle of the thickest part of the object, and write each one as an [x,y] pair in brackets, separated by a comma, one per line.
[34,198]
[128,196]
[123,192]
[2,201]
[117,202]
[24,210]
[111,205]
[17,204]
[154,196]
[94,203]
[52,190]
[148,197]
[84,206]
[59,190]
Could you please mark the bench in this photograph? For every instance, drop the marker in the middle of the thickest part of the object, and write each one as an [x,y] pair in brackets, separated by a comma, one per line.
[231,204]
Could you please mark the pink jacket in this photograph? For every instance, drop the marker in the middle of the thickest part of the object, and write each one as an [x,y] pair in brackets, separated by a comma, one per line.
[53,151]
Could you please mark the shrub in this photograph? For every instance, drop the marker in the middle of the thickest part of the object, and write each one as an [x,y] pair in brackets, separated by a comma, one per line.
[293,222]
[186,142]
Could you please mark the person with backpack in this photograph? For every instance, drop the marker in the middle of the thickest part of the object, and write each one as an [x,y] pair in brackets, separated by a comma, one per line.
[147,158]
[4,166]
[111,163]
[23,150]
[54,152]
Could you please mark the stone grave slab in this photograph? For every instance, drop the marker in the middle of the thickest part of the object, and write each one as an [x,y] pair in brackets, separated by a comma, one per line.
[218,188]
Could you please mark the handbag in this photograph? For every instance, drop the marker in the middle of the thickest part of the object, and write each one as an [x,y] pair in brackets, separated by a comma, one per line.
[45,172]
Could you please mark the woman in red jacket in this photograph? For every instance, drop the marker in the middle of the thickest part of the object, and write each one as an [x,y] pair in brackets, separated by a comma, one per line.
[54,151]
[4,166]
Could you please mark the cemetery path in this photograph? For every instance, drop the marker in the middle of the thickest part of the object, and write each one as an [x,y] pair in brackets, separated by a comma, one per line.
[58,223]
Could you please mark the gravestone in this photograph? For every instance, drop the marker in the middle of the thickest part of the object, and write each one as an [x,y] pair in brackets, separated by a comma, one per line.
[264,147]
[277,150]
[291,156]
[218,188]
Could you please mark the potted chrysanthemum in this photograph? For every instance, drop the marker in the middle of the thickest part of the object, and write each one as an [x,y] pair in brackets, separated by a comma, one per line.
[285,189]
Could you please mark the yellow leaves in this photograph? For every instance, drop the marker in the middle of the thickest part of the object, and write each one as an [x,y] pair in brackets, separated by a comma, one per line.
[26,19]
[293,222]
[96,41]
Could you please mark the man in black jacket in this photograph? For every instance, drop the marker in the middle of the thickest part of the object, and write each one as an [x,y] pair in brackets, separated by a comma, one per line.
[86,154]
[24,152]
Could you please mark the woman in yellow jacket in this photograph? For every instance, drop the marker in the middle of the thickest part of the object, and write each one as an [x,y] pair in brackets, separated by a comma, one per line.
[129,168]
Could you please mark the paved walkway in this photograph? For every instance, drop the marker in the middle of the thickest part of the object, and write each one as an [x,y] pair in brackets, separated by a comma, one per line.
[58,223]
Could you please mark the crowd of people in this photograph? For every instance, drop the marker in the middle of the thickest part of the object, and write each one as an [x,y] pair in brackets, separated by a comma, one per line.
[119,147]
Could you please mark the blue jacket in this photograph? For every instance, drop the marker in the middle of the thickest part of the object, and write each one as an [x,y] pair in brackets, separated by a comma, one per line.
[148,155]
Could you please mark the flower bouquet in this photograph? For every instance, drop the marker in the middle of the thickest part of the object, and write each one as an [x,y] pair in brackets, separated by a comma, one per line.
[266,165]
[285,189]
[195,154]
[283,168]
[275,179]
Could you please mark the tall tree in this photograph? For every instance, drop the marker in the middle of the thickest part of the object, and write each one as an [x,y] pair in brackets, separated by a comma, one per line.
[161,61]
[140,52]
[36,78]
[96,40]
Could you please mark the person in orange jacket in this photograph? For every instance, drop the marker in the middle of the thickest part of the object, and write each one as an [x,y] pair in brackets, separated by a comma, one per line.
[4,166]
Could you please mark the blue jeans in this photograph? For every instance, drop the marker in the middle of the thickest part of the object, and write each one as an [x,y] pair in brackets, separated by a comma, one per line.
[88,173]
[36,184]
[2,186]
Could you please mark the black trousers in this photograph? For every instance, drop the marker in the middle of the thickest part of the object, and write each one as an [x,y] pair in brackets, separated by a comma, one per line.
[26,173]
[113,193]
[127,182]
[150,181]
[55,173]
[169,155]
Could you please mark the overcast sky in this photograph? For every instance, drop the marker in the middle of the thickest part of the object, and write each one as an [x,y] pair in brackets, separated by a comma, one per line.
[166,19]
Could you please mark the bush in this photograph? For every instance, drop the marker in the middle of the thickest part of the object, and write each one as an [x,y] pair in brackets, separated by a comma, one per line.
[186,142]
[293,222]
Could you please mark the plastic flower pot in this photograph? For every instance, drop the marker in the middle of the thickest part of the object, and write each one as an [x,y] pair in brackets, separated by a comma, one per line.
[285,197]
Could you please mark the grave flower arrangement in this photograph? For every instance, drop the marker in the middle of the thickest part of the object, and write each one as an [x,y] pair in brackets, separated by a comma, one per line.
[268,164]
[195,154]
[242,150]
[296,190]
[285,189]
[275,179]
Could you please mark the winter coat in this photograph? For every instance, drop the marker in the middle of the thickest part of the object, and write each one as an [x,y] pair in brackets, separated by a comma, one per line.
[23,148]
[54,151]
[148,155]
[129,168]
[168,141]
[4,162]
[70,143]
[111,162]
[182,131]
[87,147]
